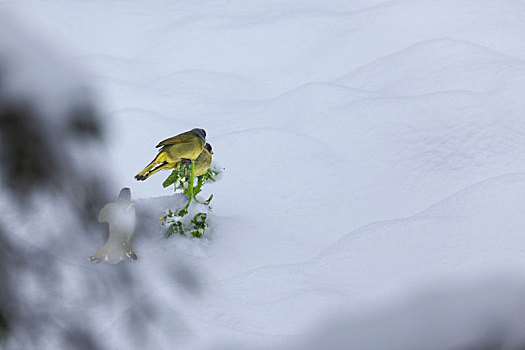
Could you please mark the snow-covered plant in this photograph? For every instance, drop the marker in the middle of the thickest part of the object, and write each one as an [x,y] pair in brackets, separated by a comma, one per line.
[183,180]
[199,225]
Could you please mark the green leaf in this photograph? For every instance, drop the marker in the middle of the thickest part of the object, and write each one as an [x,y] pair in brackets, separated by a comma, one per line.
[199,219]
[199,225]
[200,182]
[197,233]
[208,200]
[174,176]
[174,228]
[210,174]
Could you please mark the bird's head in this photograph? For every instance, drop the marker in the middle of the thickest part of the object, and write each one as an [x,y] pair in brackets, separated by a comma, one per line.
[200,133]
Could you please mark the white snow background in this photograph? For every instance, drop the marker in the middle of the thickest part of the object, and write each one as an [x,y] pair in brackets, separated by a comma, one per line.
[374,150]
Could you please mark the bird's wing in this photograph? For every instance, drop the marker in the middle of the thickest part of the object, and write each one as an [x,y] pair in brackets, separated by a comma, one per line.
[181,138]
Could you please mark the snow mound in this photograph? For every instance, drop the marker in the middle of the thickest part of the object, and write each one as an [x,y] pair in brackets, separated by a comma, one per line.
[451,65]
[479,314]
[472,233]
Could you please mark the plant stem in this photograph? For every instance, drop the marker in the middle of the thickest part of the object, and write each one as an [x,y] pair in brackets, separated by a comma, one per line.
[190,183]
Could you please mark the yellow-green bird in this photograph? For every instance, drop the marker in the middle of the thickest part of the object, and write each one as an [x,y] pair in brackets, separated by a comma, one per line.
[185,146]
[203,161]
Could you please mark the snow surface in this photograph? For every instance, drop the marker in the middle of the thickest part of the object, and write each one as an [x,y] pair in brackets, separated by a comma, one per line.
[372,149]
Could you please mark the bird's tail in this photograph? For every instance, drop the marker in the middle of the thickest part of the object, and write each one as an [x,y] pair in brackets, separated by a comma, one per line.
[114,252]
[155,165]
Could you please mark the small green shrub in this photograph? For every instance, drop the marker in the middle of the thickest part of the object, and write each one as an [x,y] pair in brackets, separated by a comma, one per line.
[183,180]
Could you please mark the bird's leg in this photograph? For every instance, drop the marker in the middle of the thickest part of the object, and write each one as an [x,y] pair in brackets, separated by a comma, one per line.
[185,164]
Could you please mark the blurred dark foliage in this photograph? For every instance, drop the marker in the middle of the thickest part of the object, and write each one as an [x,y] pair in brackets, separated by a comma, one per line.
[49,156]
[32,161]
[36,158]
[83,124]
[29,160]
[7,297]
